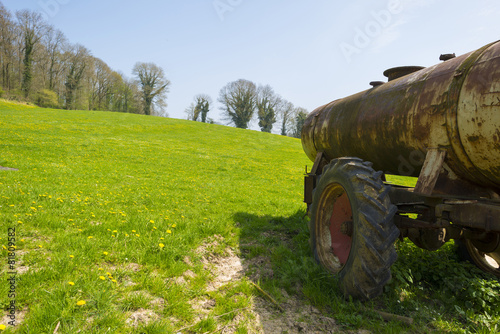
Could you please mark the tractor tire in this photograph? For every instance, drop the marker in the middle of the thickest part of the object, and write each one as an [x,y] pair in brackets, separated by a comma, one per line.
[351,227]
[486,260]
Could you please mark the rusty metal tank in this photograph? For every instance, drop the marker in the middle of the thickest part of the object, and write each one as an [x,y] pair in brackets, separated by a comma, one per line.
[454,106]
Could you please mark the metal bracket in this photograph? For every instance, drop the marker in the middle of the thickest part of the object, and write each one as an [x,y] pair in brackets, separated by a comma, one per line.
[310,178]
[430,171]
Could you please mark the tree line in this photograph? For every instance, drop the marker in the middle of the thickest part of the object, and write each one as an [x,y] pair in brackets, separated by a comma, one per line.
[243,101]
[38,64]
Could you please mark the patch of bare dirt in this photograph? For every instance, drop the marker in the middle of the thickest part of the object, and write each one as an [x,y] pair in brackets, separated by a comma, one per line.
[299,317]
[141,316]
[8,168]
[20,315]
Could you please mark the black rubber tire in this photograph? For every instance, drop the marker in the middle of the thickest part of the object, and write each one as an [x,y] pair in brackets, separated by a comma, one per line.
[372,252]
[468,252]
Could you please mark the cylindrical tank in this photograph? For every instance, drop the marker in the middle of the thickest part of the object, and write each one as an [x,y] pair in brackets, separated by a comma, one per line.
[454,105]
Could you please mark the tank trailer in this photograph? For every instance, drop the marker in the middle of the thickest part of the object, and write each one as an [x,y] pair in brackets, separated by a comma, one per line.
[440,124]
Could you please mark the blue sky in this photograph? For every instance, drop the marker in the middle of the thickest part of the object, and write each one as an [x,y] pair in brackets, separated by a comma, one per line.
[310,52]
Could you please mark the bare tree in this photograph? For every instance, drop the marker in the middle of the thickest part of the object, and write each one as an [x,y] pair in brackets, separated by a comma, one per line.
[33,28]
[267,101]
[154,85]
[7,38]
[238,99]
[54,41]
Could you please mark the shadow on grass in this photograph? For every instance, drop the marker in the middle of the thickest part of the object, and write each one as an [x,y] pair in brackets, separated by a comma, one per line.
[276,254]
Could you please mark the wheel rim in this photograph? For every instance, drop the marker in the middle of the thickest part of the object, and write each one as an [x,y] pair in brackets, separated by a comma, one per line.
[489,262]
[334,233]
[341,228]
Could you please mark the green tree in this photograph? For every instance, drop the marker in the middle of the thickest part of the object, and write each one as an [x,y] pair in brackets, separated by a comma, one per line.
[266,102]
[202,107]
[154,85]
[299,119]
[47,99]
[238,99]
[285,110]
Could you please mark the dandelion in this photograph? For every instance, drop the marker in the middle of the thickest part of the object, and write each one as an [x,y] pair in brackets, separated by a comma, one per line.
[2,327]
[19,222]
[89,237]
[137,235]
[115,231]
[174,225]
[114,281]
[81,302]
[105,253]
[71,256]
[4,247]
[161,245]
[80,230]
[100,269]
[108,273]
[152,221]
[71,283]
[169,232]
[133,231]
[40,246]
[102,278]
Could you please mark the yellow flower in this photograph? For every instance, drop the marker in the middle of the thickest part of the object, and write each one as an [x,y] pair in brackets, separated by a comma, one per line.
[105,253]
[4,247]
[71,283]
[108,273]
[169,232]
[115,231]
[174,226]
[152,221]
[100,269]
[137,235]
[81,302]
[22,240]
[114,281]
[71,256]
[19,222]
[39,246]
[102,278]
[133,231]
[161,245]
[89,237]
[2,327]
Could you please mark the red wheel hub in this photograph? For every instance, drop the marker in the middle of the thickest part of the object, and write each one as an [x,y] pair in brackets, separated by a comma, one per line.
[341,217]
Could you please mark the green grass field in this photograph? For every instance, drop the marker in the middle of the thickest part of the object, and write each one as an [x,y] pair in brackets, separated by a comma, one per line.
[124,222]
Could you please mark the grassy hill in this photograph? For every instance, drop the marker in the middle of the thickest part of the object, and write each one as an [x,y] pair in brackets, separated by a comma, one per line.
[132,224]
